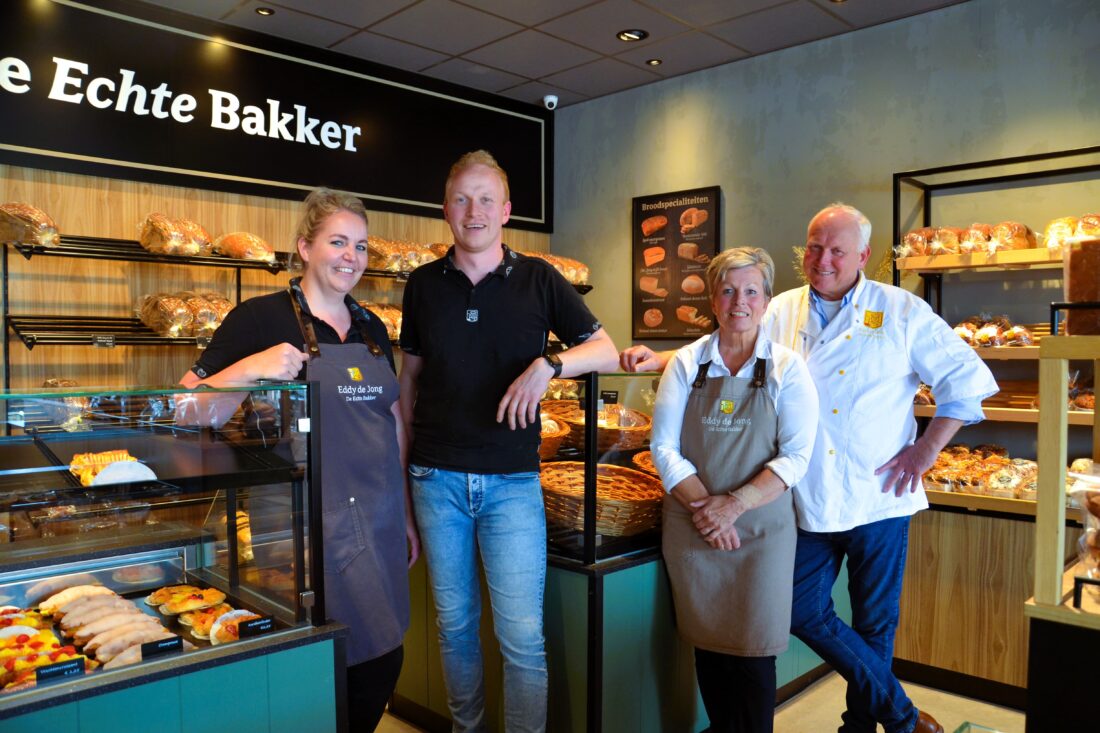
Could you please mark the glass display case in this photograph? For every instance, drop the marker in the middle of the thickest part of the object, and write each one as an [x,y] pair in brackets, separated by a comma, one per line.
[111,499]
[602,494]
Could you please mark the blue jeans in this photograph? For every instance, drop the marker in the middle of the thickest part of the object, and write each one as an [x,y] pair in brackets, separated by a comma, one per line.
[502,516]
[861,653]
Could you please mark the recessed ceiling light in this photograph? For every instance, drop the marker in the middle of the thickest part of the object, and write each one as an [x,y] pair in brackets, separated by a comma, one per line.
[265,11]
[838,2]
[632,34]
[653,62]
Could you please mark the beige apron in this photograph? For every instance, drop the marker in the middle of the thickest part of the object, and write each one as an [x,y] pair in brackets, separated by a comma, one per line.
[738,601]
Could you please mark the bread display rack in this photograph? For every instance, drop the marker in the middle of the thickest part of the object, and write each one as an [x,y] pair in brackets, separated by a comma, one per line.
[33,330]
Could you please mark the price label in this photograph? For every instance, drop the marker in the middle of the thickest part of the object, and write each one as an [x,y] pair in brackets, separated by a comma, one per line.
[69,668]
[255,627]
[103,340]
[152,649]
[609,396]
[202,341]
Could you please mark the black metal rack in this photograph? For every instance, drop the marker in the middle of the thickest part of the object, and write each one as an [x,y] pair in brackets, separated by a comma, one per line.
[106,331]
[930,181]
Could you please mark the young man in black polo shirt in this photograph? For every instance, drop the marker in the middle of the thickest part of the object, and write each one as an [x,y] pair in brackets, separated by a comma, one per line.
[474,332]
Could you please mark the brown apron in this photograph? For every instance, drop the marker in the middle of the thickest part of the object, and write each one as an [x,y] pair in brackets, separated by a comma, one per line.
[738,601]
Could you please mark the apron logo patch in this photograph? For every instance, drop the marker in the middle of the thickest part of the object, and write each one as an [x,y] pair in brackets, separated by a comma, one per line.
[872,319]
[355,374]
[726,407]
[471,316]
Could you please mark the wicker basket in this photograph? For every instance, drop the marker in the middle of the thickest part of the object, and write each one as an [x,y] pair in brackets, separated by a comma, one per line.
[644,462]
[627,501]
[554,431]
[632,431]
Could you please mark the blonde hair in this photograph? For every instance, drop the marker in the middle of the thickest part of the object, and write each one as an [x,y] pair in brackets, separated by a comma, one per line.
[735,259]
[320,204]
[469,160]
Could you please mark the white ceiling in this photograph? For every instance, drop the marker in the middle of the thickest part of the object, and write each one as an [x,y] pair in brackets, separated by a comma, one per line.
[525,49]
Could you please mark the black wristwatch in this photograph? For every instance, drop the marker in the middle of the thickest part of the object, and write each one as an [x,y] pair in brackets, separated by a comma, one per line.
[555,361]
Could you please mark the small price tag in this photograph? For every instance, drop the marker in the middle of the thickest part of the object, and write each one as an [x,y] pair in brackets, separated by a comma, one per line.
[202,341]
[255,627]
[69,668]
[609,396]
[152,649]
[103,340]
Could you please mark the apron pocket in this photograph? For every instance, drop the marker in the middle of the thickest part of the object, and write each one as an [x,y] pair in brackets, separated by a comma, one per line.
[343,537]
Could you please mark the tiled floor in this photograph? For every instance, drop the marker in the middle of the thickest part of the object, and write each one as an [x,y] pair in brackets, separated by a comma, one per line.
[817,710]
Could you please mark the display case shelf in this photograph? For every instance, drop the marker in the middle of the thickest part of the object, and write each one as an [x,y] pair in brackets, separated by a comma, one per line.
[129,250]
[101,331]
[1012,414]
[1017,259]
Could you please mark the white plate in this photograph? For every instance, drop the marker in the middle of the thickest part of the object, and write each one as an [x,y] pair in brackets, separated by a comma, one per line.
[227,616]
[124,472]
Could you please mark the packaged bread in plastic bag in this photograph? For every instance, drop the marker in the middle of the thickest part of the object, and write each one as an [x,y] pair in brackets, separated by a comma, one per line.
[221,305]
[244,246]
[167,315]
[976,238]
[204,317]
[196,240]
[160,235]
[66,412]
[21,222]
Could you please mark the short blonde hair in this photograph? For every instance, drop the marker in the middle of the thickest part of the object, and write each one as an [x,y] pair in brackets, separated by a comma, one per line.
[320,204]
[469,160]
[737,258]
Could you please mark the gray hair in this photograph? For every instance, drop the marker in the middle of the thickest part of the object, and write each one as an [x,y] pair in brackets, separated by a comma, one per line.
[862,221]
[735,259]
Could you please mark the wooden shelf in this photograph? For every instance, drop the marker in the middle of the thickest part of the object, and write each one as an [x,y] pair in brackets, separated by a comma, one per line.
[1037,257]
[1012,414]
[978,502]
[1088,616]
[1007,353]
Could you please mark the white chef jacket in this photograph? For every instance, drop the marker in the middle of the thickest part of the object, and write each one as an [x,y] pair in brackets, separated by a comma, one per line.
[867,364]
[789,386]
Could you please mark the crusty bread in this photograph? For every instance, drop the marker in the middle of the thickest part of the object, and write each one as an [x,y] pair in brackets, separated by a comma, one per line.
[244,246]
[692,219]
[693,285]
[653,224]
[653,255]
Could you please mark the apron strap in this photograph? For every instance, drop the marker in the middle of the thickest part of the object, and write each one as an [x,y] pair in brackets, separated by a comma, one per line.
[310,334]
[759,373]
[701,376]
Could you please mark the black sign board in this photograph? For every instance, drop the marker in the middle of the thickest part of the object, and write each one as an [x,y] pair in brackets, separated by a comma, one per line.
[60,670]
[675,236]
[152,649]
[142,93]
[255,627]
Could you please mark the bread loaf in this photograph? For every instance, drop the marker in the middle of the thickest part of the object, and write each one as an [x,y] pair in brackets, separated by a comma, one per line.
[204,317]
[976,238]
[653,224]
[653,317]
[687,251]
[693,285]
[1082,283]
[690,314]
[21,222]
[648,284]
[244,246]
[692,219]
[160,235]
[221,304]
[653,255]
[167,315]
[917,242]
[945,241]
[196,240]
[1011,235]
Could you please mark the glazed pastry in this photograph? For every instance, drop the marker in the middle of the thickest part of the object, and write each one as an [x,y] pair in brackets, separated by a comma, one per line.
[193,601]
[162,595]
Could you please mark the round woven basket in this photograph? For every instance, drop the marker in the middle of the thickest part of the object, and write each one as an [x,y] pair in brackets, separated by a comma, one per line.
[644,461]
[631,432]
[627,501]
[553,432]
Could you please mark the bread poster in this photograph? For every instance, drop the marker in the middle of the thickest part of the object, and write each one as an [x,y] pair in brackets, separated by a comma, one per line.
[675,236]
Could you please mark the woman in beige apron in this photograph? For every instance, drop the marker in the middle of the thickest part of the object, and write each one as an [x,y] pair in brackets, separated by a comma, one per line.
[733,429]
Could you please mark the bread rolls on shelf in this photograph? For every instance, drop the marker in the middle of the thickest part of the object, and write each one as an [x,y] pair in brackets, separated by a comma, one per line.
[1011,235]
[20,222]
[915,243]
[204,317]
[1060,231]
[196,240]
[389,315]
[945,241]
[244,246]
[166,315]
[975,238]
[160,235]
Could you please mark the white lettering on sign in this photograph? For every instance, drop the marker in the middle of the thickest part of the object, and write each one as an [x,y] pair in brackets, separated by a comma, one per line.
[73,84]
[12,72]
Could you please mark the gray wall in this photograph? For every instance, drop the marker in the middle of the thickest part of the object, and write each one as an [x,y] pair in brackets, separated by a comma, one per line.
[786,133]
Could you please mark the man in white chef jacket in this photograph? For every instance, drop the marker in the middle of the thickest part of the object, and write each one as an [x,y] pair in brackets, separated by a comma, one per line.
[868,346]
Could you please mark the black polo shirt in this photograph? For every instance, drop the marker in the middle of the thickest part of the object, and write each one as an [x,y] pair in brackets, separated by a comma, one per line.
[475,341]
[268,320]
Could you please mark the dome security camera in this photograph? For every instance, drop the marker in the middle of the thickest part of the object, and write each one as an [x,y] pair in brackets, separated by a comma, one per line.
[550,101]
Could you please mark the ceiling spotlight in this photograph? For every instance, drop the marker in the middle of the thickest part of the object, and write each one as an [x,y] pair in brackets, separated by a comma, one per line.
[838,2]
[653,62]
[265,11]
[632,34]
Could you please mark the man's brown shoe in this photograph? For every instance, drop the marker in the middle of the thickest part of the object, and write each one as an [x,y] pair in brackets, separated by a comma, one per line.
[926,724]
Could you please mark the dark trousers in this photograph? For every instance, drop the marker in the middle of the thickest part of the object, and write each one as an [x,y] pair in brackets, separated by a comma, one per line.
[370,686]
[738,692]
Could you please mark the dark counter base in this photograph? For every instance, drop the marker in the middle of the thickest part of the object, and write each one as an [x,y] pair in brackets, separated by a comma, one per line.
[998,693]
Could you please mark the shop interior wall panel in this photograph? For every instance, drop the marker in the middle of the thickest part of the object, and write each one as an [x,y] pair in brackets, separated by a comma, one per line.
[288,691]
[962,603]
[566,623]
[102,207]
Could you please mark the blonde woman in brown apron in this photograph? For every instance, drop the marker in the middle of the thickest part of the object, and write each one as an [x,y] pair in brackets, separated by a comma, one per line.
[315,330]
[733,430]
